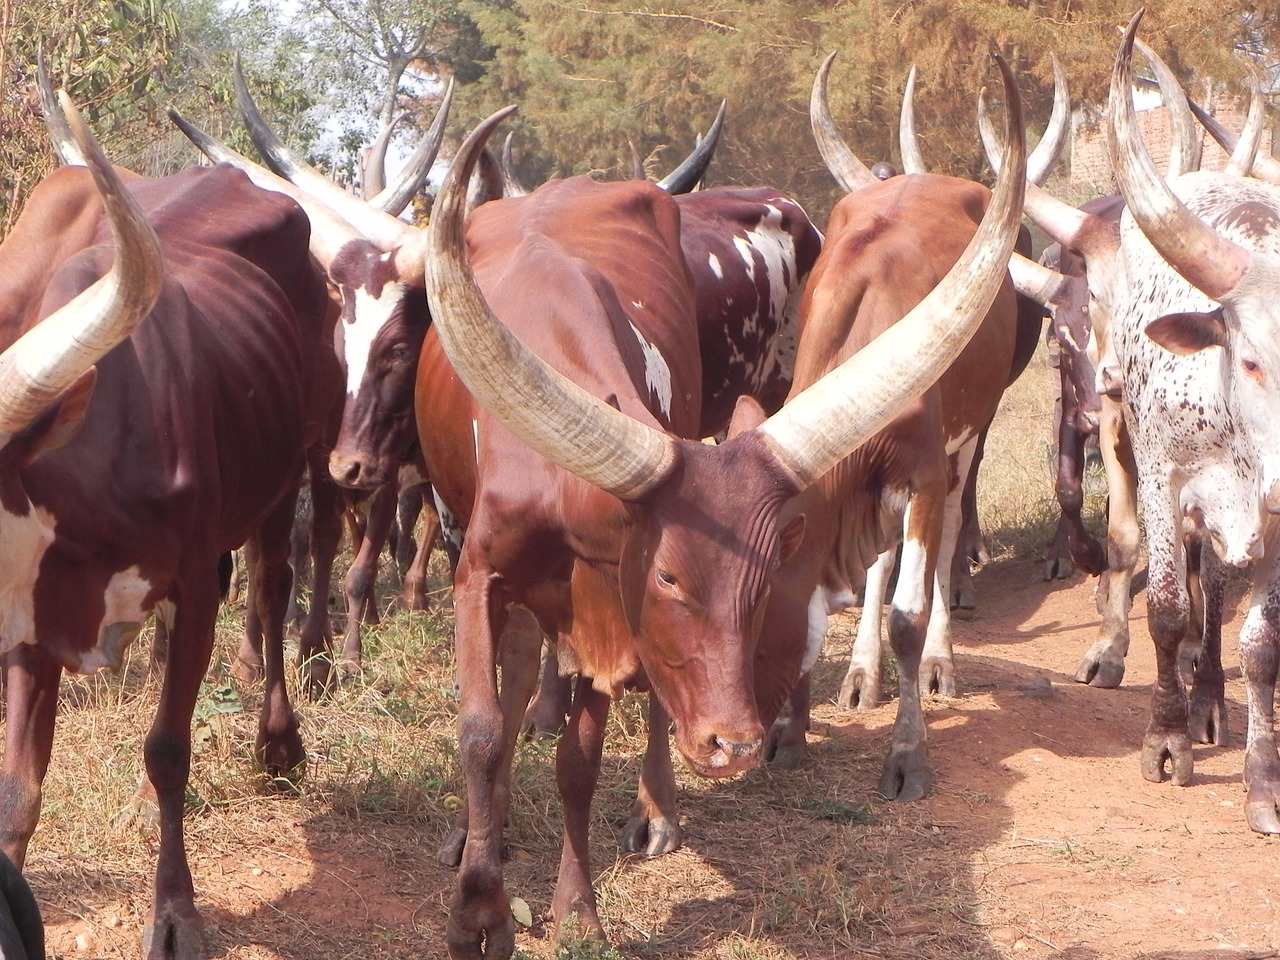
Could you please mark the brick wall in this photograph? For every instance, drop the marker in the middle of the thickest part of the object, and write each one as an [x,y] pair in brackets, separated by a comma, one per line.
[1090,165]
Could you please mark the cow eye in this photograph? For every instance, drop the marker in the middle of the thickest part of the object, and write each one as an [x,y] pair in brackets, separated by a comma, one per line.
[1251,367]
[666,578]
[401,353]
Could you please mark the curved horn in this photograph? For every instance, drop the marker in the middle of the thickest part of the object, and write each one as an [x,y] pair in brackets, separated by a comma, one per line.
[329,232]
[687,176]
[912,158]
[1265,166]
[47,359]
[1208,261]
[373,168]
[417,168]
[1184,143]
[823,424]
[1245,155]
[64,142]
[1034,280]
[1047,151]
[556,417]
[511,185]
[850,172]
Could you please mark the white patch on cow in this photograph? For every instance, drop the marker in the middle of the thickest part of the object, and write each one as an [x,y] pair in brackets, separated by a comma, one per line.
[410,476]
[912,591]
[638,304]
[817,631]
[372,314]
[450,528]
[714,263]
[475,439]
[121,622]
[657,375]
[25,539]
[776,250]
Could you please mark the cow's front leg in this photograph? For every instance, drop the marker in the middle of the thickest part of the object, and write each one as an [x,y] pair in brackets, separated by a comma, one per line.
[1259,641]
[654,826]
[577,770]
[173,928]
[361,580]
[480,923]
[906,773]
[31,681]
[863,682]
[786,745]
[1207,708]
[1166,741]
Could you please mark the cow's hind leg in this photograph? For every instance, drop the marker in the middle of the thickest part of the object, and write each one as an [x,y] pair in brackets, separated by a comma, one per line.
[1259,642]
[31,681]
[861,689]
[173,929]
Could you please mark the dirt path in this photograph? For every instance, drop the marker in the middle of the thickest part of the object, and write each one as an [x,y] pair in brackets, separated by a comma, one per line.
[1040,839]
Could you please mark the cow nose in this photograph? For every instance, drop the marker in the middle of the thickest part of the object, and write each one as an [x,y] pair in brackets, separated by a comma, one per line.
[350,471]
[1273,498]
[732,756]
[1110,382]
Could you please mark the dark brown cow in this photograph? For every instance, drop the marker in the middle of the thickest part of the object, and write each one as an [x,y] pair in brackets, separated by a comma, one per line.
[195,405]
[576,332]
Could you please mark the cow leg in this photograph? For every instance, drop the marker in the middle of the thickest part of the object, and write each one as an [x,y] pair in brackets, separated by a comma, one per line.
[577,771]
[1259,641]
[247,664]
[970,546]
[546,714]
[1103,664]
[300,542]
[654,826]
[362,606]
[279,745]
[785,744]
[327,500]
[906,773]
[937,668]
[1168,613]
[415,596]
[173,929]
[1207,708]
[480,922]
[861,688]
[1072,546]
[31,681]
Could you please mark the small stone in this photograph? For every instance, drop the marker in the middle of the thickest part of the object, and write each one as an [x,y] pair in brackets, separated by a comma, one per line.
[83,942]
[1038,689]
[256,871]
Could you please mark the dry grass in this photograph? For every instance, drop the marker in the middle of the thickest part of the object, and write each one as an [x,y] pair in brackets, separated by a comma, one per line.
[773,866]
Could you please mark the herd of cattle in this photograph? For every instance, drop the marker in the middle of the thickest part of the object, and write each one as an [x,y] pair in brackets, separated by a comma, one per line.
[180,352]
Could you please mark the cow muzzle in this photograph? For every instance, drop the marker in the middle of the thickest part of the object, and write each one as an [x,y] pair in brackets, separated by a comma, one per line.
[716,755]
[356,472]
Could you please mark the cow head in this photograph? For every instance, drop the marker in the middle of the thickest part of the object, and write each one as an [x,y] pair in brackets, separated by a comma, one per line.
[1221,234]
[706,533]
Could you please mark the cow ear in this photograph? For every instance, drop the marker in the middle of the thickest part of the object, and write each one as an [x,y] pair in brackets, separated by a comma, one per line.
[792,537]
[1188,333]
[61,420]
[747,415]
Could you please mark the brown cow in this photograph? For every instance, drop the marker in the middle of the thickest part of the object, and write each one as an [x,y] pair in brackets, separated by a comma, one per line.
[195,403]
[607,536]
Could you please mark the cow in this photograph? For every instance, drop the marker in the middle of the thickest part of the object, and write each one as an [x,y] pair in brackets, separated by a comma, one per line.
[555,391]
[194,399]
[21,928]
[918,470]
[1193,331]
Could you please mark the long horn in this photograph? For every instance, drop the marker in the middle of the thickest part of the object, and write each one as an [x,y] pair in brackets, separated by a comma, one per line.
[1265,166]
[1208,261]
[381,229]
[1096,239]
[373,168]
[687,176]
[47,359]
[912,158]
[553,415]
[1184,141]
[823,424]
[64,141]
[1042,284]
[417,168]
[329,232]
[850,172]
[511,185]
[1245,155]
[1047,151]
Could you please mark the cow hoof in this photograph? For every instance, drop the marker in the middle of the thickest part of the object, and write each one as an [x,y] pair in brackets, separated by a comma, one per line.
[282,756]
[247,668]
[1261,815]
[1167,748]
[651,837]
[938,676]
[906,775]
[1207,720]
[450,852]
[860,691]
[1106,674]
[177,934]
[481,934]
